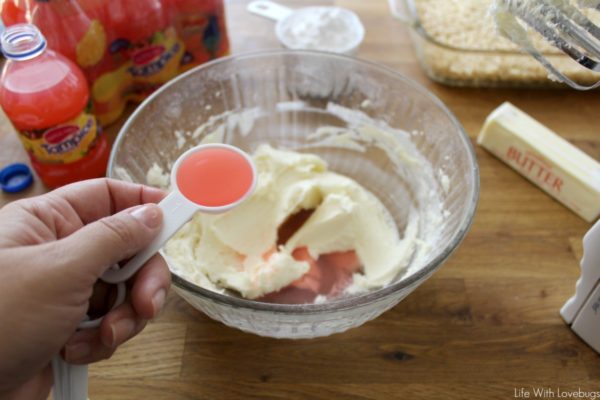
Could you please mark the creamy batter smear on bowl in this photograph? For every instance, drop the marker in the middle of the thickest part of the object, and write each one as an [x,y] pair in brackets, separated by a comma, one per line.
[305,232]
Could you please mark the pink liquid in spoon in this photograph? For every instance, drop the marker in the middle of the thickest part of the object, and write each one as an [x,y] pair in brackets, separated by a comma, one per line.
[214,177]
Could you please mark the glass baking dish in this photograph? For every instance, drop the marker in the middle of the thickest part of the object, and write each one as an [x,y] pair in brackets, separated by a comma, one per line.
[457,44]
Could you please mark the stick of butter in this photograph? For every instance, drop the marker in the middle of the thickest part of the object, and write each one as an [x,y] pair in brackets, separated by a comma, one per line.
[553,164]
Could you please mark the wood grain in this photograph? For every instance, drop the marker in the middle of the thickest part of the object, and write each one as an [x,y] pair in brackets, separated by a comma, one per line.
[485,324]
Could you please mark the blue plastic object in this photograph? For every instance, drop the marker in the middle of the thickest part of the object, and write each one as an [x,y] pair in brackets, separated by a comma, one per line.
[15,178]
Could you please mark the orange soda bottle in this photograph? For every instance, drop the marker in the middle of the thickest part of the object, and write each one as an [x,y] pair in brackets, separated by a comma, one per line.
[145,38]
[140,57]
[95,9]
[70,31]
[135,21]
[201,26]
[14,11]
[46,97]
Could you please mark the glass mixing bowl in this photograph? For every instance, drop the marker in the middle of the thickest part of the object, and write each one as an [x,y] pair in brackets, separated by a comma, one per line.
[280,98]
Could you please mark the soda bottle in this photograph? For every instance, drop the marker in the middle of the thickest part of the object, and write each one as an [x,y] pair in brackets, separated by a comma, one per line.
[70,31]
[46,97]
[95,9]
[14,11]
[201,26]
[145,38]
[135,21]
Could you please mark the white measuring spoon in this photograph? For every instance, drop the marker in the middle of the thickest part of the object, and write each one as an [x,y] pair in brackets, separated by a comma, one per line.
[285,16]
[211,178]
[269,9]
[184,201]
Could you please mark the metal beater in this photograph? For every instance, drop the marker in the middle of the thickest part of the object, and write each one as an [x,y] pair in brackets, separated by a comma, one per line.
[562,23]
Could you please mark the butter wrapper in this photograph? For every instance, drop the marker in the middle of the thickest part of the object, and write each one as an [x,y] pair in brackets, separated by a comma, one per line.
[547,160]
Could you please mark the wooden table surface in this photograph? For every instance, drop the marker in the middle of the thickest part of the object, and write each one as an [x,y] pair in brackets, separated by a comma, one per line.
[484,326]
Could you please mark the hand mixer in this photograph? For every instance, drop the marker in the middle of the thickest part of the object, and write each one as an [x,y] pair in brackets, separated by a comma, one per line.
[582,311]
[562,23]
[210,178]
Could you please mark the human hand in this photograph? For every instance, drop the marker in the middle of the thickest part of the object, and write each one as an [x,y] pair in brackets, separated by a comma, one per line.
[53,249]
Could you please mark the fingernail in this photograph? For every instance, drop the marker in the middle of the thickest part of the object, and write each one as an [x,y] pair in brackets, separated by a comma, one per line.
[148,215]
[76,352]
[122,330]
[158,301]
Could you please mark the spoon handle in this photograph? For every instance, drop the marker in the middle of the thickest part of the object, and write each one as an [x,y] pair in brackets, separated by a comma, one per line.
[269,9]
[70,381]
[177,210]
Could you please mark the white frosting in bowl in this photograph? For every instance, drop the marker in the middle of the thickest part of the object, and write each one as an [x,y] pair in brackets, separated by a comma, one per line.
[237,250]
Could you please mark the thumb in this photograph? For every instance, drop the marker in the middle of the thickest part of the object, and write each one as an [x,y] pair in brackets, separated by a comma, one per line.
[105,242]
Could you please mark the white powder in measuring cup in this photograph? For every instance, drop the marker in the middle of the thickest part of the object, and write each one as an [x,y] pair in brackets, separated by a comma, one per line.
[321,28]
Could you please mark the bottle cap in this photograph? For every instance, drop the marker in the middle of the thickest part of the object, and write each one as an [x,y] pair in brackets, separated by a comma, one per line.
[15,178]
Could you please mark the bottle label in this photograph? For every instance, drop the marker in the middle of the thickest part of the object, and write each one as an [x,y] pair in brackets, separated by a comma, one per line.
[152,59]
[144,67]
[64,143]
[156,62]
